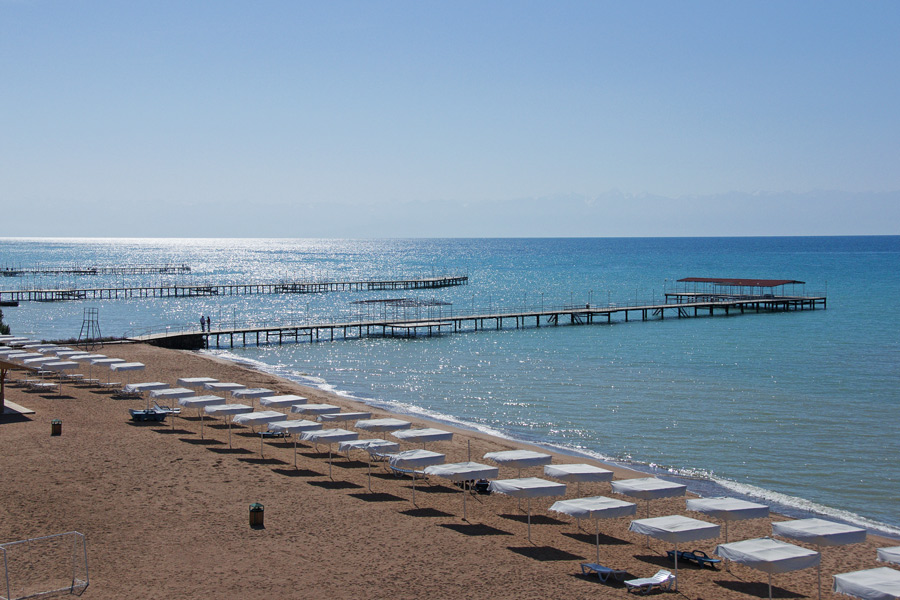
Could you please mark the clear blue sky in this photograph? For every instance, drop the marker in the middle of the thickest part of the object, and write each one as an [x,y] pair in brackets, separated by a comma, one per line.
[371,119]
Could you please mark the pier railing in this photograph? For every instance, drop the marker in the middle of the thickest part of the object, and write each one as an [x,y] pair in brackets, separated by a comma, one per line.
[441,315]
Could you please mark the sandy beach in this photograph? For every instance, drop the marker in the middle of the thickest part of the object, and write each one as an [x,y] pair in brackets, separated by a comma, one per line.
[165,513]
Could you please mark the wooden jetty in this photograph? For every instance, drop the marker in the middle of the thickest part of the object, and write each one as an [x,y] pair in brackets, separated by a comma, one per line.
[237,289]
[94,270]
[455,323]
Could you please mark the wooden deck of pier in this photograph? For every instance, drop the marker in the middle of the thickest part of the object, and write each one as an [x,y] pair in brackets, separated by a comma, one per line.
[237,289]
[93,270]
[572,315]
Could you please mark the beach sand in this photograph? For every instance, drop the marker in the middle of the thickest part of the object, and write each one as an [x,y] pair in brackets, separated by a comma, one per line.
[166,513]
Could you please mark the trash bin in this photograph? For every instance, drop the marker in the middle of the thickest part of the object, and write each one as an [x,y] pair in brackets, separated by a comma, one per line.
[257,511]
[55,427]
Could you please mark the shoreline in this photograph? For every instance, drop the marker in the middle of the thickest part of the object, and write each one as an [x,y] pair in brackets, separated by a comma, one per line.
[165,511]
[782,504]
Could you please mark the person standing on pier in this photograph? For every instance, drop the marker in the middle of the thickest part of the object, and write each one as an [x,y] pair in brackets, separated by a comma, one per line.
[208,329]
[202,323]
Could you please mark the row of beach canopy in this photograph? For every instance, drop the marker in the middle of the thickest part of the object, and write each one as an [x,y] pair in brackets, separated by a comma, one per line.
[766,554]
[769,555]
[59,360]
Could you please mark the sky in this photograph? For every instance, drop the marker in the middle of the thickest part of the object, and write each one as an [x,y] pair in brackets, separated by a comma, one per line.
[347,119]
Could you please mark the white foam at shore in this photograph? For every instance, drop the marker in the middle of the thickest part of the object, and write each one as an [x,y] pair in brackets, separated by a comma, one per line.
[781,503]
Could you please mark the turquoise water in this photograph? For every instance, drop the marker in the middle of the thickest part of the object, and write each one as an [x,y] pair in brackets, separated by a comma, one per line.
[800,409]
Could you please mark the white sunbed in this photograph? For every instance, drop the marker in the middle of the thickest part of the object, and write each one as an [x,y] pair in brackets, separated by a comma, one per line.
[663,580]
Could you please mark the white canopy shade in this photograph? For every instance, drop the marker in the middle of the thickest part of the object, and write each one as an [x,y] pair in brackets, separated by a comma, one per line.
[596,507]
[416,459]
[881,583]
[315,409]
[258,418]
[149,386]
[60,365]
[171,393]
[527,487]
[69,354]
[464,471]
[769,556]
[36,362]
[820,532]
[195,382]
[379,444]
[106,361]
[227,409]
[891,555]
[39,347]
[578,472]
[221,386]
[249,393]
[282,400]
[648,488]
[297,426]
[383,424]
[87,357]
[519,459]
[292,427]
[728,509]
[21,357]
[423,436]
[329,436]
[347,416]
[675,529]
[127,366]
[198,401]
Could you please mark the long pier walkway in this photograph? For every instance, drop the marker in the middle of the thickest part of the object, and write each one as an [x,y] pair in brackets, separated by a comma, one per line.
[237,289]
[91,270]
[455,323]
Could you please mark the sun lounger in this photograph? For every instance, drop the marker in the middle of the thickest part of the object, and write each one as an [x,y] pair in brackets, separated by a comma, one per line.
[698,556]
[602,572]
[148,415]
[663,580]
[44,386]
[408,472]
[482,486]
[167,409]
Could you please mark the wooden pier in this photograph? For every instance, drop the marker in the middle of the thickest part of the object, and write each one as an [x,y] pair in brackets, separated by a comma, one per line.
[238,289]
[571,315]
[92,270]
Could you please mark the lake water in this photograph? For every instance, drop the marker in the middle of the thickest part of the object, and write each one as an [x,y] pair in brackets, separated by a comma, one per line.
[800,409]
